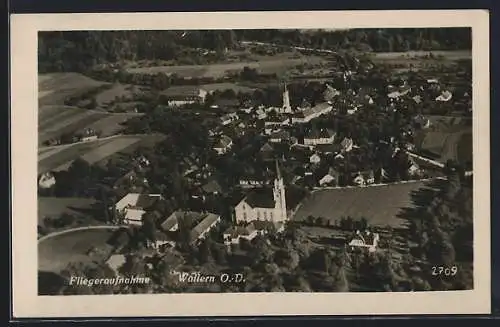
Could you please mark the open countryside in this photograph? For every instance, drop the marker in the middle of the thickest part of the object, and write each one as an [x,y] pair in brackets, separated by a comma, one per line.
[267,66]
[310,161]
[368,202]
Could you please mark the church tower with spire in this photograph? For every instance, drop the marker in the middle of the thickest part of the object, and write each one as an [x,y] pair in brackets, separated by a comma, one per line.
[279,196]
[286,102]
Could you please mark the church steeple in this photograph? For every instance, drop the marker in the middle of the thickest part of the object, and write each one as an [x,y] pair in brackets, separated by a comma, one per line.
[279,196]
[286,100]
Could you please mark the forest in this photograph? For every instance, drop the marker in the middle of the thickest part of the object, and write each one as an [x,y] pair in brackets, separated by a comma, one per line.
[79,51]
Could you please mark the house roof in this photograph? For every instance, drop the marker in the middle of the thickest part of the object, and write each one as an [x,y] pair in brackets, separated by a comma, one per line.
[224,141]
[346,142]
[330,93]
[181,91]
[280,135]
[327,148]
[137,200]
[202,226]
[314,110]
[267,147]
[323,133]
[260,198]
[212,186]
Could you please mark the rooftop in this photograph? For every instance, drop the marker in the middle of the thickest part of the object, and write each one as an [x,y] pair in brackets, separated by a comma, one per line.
[260,198]
[183,90]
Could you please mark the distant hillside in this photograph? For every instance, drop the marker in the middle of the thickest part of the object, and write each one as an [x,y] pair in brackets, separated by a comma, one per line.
[77,51]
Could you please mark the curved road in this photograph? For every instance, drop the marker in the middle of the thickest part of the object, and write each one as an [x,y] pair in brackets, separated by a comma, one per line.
[79,228]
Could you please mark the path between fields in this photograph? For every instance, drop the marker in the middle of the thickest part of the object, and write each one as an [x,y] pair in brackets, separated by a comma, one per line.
[78,229]
[63,146]
[293,47]
[94,110]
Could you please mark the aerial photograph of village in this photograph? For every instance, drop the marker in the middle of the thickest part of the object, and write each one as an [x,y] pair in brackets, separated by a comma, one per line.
[262,160]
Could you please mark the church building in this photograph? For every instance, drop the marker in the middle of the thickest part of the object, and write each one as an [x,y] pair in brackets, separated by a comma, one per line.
[264,203]
[286,108]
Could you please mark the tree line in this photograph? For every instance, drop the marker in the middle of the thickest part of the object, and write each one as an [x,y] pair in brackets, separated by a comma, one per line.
[78,51]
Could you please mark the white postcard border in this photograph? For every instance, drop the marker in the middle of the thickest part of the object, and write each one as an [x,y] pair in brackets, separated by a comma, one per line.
[24,99]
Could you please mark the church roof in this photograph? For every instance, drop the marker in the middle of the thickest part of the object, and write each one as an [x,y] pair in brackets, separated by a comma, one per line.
[260,198]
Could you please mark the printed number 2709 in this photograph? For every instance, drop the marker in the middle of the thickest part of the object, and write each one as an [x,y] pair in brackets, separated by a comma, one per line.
[446,271]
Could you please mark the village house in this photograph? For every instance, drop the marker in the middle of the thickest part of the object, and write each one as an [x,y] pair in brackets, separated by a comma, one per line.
[330,179]
[203,221]
[445,96]
[251,181]
[315,159]
[366,240]
[279,136]
[260,113]
[133,206]
[308,114]
[229,118]
[347,144]
[88,135]
[364,178]
[182,95]
[223,145]
[315,137]
[397,92]
[234,234]
[200,231]
[330,93]
[46,180]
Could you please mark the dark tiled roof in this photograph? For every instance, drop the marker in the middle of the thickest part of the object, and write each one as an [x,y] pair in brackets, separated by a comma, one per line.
[311,111]
[145,201]
[212,187]
[208,220]
[181,91]
[260,198]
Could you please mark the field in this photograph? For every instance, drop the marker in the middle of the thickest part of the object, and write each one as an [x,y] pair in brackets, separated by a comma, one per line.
[60,157]
[56,252]
[54,88]
[54,121]
[447,55]
[447,138]
[369,202]
[275,64]
[55,207]
[116,93]
[419,59]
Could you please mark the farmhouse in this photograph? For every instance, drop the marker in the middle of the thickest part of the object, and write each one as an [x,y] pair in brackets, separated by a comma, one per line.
[46,180]
[234,234]
[133,206]
[229,118]
[281,136]
[204,222]
[182,95]
[200,231]
[445,96]
[309,114]
[330,179]
[223,145]
[88,135]
[364,178]
[330,93]
[347,144]
[397,92]
[366,240]
[315,159]
[316,137]
[261,204]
